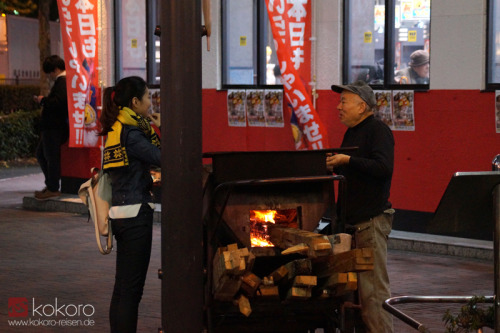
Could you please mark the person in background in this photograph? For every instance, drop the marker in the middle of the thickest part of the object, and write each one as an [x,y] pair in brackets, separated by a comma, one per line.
[54,127]
[418,70]
[131,148]
[368,172]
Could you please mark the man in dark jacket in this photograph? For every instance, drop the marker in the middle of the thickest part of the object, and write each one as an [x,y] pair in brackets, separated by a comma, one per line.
[54,127]
[417,71]
[368,172]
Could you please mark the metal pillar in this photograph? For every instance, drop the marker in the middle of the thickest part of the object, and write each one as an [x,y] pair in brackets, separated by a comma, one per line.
[181,238]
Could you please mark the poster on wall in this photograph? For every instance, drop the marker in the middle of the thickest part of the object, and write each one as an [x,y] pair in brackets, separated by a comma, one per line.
[154,95]
[497,110]
[402,110]
[383,109]
[273,108]
[236,108]
[255,108]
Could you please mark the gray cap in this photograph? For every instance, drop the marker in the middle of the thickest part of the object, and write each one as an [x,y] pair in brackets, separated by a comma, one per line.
[419,58]
[360,88]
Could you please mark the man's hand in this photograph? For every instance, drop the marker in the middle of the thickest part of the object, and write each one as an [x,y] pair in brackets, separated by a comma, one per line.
[333,161]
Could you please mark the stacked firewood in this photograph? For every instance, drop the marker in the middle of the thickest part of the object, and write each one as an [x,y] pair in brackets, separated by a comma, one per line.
[327,268]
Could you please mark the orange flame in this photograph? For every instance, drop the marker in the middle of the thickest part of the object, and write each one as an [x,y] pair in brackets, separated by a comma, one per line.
[265,215]
[260,242]
[258,239]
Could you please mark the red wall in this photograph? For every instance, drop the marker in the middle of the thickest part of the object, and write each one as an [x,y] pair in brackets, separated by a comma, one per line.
[77,162]
[454,131]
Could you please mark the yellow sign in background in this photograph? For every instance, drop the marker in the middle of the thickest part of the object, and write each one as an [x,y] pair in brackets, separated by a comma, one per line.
[243,40]
[412,35]
[368,37]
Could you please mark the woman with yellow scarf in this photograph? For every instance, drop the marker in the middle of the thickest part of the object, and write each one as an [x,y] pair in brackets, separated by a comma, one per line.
[131,148]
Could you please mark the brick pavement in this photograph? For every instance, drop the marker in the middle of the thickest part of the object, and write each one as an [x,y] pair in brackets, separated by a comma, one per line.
[44,255]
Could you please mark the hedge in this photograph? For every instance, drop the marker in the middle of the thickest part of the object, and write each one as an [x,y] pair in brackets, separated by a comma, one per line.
[14,98]
[19,134]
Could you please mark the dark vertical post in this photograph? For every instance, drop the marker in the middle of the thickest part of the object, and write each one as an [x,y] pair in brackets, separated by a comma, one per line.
[496,255]
[181,226]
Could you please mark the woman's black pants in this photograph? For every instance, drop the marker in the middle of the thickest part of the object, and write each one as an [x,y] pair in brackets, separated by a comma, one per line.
[134,237]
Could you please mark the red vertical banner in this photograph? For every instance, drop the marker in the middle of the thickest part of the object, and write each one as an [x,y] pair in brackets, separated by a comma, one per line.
[80,42]
[291,26]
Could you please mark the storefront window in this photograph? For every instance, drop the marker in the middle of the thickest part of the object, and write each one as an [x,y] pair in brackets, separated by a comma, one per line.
[364,37]
[153,42]
[405,59]
[137,47]
[248,54]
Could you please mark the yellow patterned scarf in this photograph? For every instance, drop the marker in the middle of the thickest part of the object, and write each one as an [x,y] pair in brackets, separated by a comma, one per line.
[115,154]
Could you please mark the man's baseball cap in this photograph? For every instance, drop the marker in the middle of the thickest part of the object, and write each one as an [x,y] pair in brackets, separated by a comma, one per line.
[360,88]
[419,58]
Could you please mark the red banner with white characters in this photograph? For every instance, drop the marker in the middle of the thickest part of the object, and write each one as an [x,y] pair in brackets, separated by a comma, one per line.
[291,26]
[80,42]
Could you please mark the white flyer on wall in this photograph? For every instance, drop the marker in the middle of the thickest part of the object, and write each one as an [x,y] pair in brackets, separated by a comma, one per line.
[402,110]
[273,109]
[236,108]
[383,109]
[255,108]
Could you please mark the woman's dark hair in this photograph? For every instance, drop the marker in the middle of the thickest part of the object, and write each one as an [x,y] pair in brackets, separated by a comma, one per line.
[120,96]
[51,63]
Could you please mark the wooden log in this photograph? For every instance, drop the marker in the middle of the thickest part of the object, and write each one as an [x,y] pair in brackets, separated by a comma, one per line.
[250,283]
[299,248]
[340,242]
[357,260]
[299,293]
[278,274]
[268,281]
[352,281]
[306,281]
[227,287]
[282,237]
[268,292]
[229,264]
[299,267]
[334,280]
[350,286]
[244,306]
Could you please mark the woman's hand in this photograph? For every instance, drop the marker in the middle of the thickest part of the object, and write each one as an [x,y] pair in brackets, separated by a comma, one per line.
[156,119]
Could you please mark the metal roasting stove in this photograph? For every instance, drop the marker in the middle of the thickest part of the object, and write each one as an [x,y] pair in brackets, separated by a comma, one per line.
[239,188]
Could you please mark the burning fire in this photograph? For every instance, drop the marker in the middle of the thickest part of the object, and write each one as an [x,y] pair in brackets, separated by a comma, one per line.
[259,219]
[264,215]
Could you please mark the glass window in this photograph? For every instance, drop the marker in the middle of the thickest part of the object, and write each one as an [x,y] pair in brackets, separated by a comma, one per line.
[153,41]
[137,46]
[248,54]
[368,57]
[364,41]
[411,41]
[130,39]
[493,45]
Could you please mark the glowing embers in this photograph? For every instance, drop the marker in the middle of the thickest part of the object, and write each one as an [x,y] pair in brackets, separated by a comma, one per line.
[260,220]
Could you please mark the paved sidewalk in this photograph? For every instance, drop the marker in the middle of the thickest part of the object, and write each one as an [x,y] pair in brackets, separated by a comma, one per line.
[49,255]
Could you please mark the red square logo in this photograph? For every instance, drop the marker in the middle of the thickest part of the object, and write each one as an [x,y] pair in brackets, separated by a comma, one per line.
[18,307]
